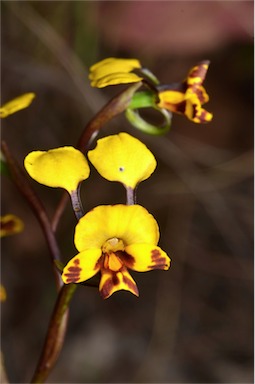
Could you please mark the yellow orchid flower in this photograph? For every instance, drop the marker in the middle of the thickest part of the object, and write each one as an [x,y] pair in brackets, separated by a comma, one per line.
[16,104]
[187,97]
[111,239]
[63,167]
[10,225]
[113,71]
[123,158]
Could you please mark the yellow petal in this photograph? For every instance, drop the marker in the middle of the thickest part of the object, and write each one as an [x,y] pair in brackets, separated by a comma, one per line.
[16,104]
[123,158]
[115,281]
[145,257]
[114,79]
[132,224]
[113,71]
[171,99]
[194,111]
[63,167]
[202,116]
[82,267]
[10,225]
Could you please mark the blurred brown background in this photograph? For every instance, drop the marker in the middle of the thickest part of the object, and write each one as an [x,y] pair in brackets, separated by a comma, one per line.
[194,323]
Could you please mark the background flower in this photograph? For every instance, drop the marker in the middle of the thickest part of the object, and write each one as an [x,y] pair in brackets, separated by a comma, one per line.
[10,225]
[16,104]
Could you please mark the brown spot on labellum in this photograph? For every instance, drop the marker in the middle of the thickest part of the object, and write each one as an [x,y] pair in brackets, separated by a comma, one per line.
[131,285]
[107,288]
[115,279]
[128,260]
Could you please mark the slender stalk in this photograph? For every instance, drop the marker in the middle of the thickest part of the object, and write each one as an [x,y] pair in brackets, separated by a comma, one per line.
[76,203]
[36,205]
[55,335]
[130,192]
[114,107]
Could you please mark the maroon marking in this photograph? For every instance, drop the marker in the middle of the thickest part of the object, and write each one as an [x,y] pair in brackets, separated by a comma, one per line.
[74,269]
[200,71]
[131,285]
[155,253]
[200,94]
[72,280]
[202,116]
[74,274]
[127,259]
[159,262]
[180,107]
[99,262]
[115,279]
[107,288]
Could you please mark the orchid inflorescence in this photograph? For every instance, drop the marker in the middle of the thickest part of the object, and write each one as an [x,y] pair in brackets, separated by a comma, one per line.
[110,240]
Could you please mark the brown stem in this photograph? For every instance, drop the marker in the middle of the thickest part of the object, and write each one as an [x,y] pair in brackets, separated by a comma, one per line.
[114,107]
[55,335]
[36,205]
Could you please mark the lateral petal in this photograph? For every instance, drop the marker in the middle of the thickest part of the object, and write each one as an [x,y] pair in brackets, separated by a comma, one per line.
[82,267]
[145,257]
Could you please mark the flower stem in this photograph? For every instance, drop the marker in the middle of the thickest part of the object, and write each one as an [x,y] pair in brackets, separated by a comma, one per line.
[114,107]
[36,205]
[76,203]
[55,335]
[131,198]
